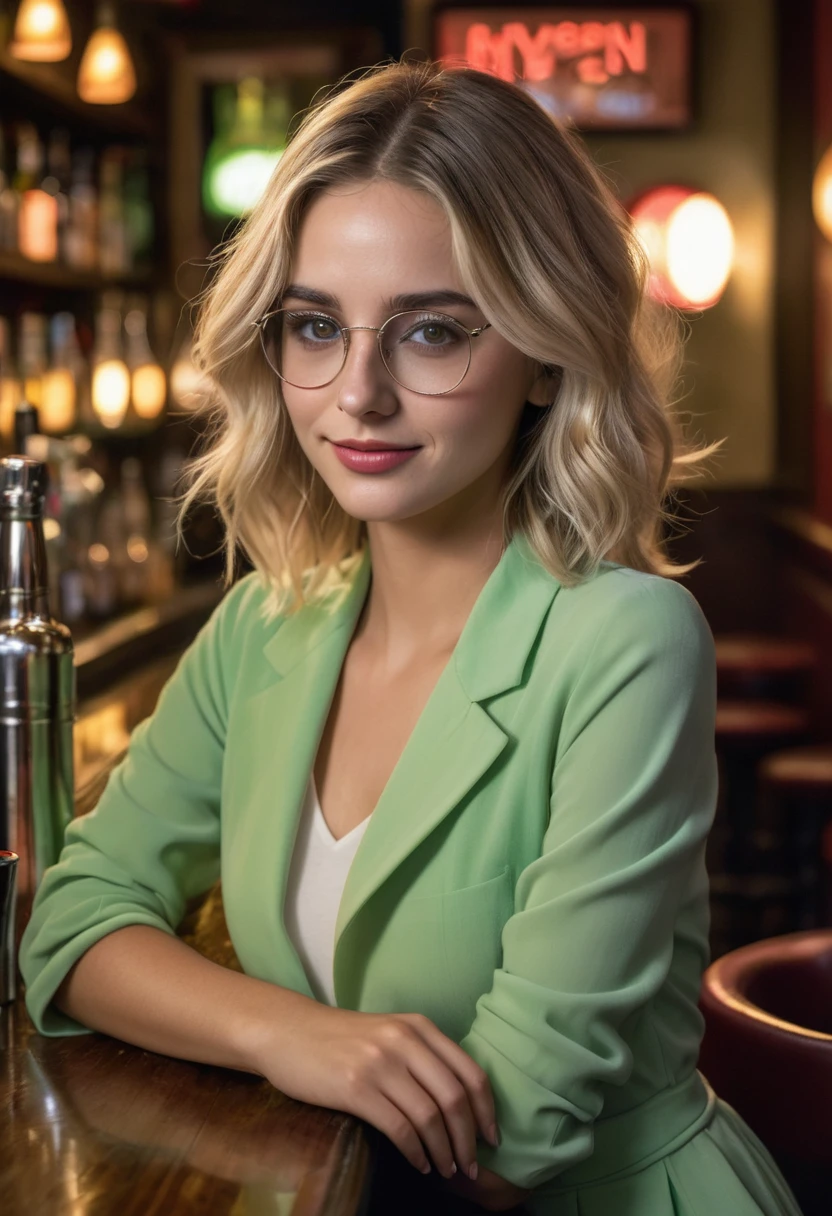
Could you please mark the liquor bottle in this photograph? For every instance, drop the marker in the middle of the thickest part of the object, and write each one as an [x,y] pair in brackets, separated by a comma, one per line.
[57,183]
[10,388]
[136,516]
[110,375]
[82,228]
[37,220]
[32,354]
[138,209]
[37,688]
[58,390]
[9,200]
[26,423]
[148,384]
[112,229]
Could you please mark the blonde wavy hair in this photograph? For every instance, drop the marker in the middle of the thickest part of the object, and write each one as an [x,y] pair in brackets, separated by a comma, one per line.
[544,247]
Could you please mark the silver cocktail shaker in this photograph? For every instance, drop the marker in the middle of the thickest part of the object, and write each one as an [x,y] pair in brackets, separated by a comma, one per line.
[37,688]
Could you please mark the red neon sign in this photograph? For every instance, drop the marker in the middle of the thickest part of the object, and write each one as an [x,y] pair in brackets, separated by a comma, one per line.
[600,49]
[617,69]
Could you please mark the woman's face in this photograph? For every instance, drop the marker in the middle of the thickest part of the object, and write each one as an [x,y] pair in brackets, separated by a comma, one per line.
[363,244]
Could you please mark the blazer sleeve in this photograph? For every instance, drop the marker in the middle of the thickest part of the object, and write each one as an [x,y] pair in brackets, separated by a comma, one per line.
[152,842]
[633,795]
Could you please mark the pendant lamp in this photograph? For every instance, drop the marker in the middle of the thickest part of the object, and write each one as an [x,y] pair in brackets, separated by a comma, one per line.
[41,32]
[106,75]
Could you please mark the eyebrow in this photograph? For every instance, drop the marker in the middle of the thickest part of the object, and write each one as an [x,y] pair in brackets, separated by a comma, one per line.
[400,303]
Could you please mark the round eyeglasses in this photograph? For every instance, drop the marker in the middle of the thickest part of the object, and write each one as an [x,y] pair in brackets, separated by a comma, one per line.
[424,352]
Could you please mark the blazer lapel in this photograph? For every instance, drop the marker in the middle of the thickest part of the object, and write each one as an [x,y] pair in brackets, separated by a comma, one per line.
[453,745]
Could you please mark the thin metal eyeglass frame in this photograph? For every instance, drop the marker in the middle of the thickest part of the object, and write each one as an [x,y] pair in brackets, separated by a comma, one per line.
[378,329]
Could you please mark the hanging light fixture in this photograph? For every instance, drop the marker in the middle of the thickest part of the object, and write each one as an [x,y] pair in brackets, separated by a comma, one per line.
[106,75]
[689,241]
[41,32]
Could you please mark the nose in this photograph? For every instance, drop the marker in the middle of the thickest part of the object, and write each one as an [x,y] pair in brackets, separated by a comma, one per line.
[364,381]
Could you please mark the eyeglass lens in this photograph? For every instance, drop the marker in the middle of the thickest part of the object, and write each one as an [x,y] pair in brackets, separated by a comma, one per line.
[423,353]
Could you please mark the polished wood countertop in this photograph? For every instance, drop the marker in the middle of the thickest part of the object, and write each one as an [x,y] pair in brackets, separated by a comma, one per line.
[93,1126]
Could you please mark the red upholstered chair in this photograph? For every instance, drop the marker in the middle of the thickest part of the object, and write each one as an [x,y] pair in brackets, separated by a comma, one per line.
[767,1051]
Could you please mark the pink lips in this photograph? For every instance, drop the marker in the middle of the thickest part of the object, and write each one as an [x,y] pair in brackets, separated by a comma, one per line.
[373,461]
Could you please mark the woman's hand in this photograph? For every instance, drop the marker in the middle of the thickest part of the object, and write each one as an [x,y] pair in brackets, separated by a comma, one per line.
[396,1071]
[490,1191]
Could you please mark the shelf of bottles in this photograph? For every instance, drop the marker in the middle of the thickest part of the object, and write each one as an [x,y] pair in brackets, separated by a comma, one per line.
[80,384]
[72,214]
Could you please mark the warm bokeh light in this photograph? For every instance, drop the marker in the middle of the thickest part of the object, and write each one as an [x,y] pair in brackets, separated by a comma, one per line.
[111,391]
[149,390]
[57,406]
[822,194]
[41,32]
[9,401]
[106,75]
[689,241]
[37,226]
[189,386]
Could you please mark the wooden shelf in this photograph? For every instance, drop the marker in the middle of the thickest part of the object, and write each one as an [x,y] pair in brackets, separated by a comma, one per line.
[54,274]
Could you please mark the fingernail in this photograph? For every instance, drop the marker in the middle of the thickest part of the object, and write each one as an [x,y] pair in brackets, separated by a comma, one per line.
[494,1135]
[426,1168]
[473,1171]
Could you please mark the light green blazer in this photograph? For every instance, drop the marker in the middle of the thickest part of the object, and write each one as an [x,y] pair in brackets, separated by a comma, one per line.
[532,878]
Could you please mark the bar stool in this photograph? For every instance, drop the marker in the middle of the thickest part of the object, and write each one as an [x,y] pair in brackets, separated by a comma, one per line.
[750,895]
[760,665]
[796,796]
[767,1051]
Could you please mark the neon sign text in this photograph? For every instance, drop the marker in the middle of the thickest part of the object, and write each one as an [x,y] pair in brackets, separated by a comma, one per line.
[601,49]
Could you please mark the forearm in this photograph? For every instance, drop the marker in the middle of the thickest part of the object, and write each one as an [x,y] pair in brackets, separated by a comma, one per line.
[148,988]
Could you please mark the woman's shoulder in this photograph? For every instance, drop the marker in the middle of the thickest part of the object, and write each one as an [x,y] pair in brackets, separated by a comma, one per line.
[619,605]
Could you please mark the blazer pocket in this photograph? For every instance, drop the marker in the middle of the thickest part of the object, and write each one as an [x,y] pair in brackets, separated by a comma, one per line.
[453,941]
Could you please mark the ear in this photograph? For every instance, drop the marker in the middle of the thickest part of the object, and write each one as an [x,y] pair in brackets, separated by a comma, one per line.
[544,387]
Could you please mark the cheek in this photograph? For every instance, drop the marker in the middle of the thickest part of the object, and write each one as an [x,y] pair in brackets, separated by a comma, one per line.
[302,413]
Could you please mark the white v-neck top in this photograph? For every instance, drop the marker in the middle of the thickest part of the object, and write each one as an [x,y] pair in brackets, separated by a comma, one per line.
[317,874]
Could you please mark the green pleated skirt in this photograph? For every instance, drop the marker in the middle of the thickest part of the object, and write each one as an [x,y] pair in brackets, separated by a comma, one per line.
[709,1163]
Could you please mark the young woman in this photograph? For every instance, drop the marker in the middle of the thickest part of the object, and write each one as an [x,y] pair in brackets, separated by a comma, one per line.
[450,743]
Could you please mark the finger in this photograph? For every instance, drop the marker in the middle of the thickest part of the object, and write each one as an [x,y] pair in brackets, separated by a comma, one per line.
[385,1115]
[451,1099]
[471,1075]
[418,1104]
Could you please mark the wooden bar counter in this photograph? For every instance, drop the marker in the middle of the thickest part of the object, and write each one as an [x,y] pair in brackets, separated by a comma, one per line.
[93,1126]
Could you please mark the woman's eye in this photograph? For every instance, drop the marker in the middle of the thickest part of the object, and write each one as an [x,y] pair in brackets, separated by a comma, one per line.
[433,333]
[322,327]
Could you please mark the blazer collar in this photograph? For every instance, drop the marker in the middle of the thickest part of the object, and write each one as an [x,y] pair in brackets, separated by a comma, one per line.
[493,647]
[451,748]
